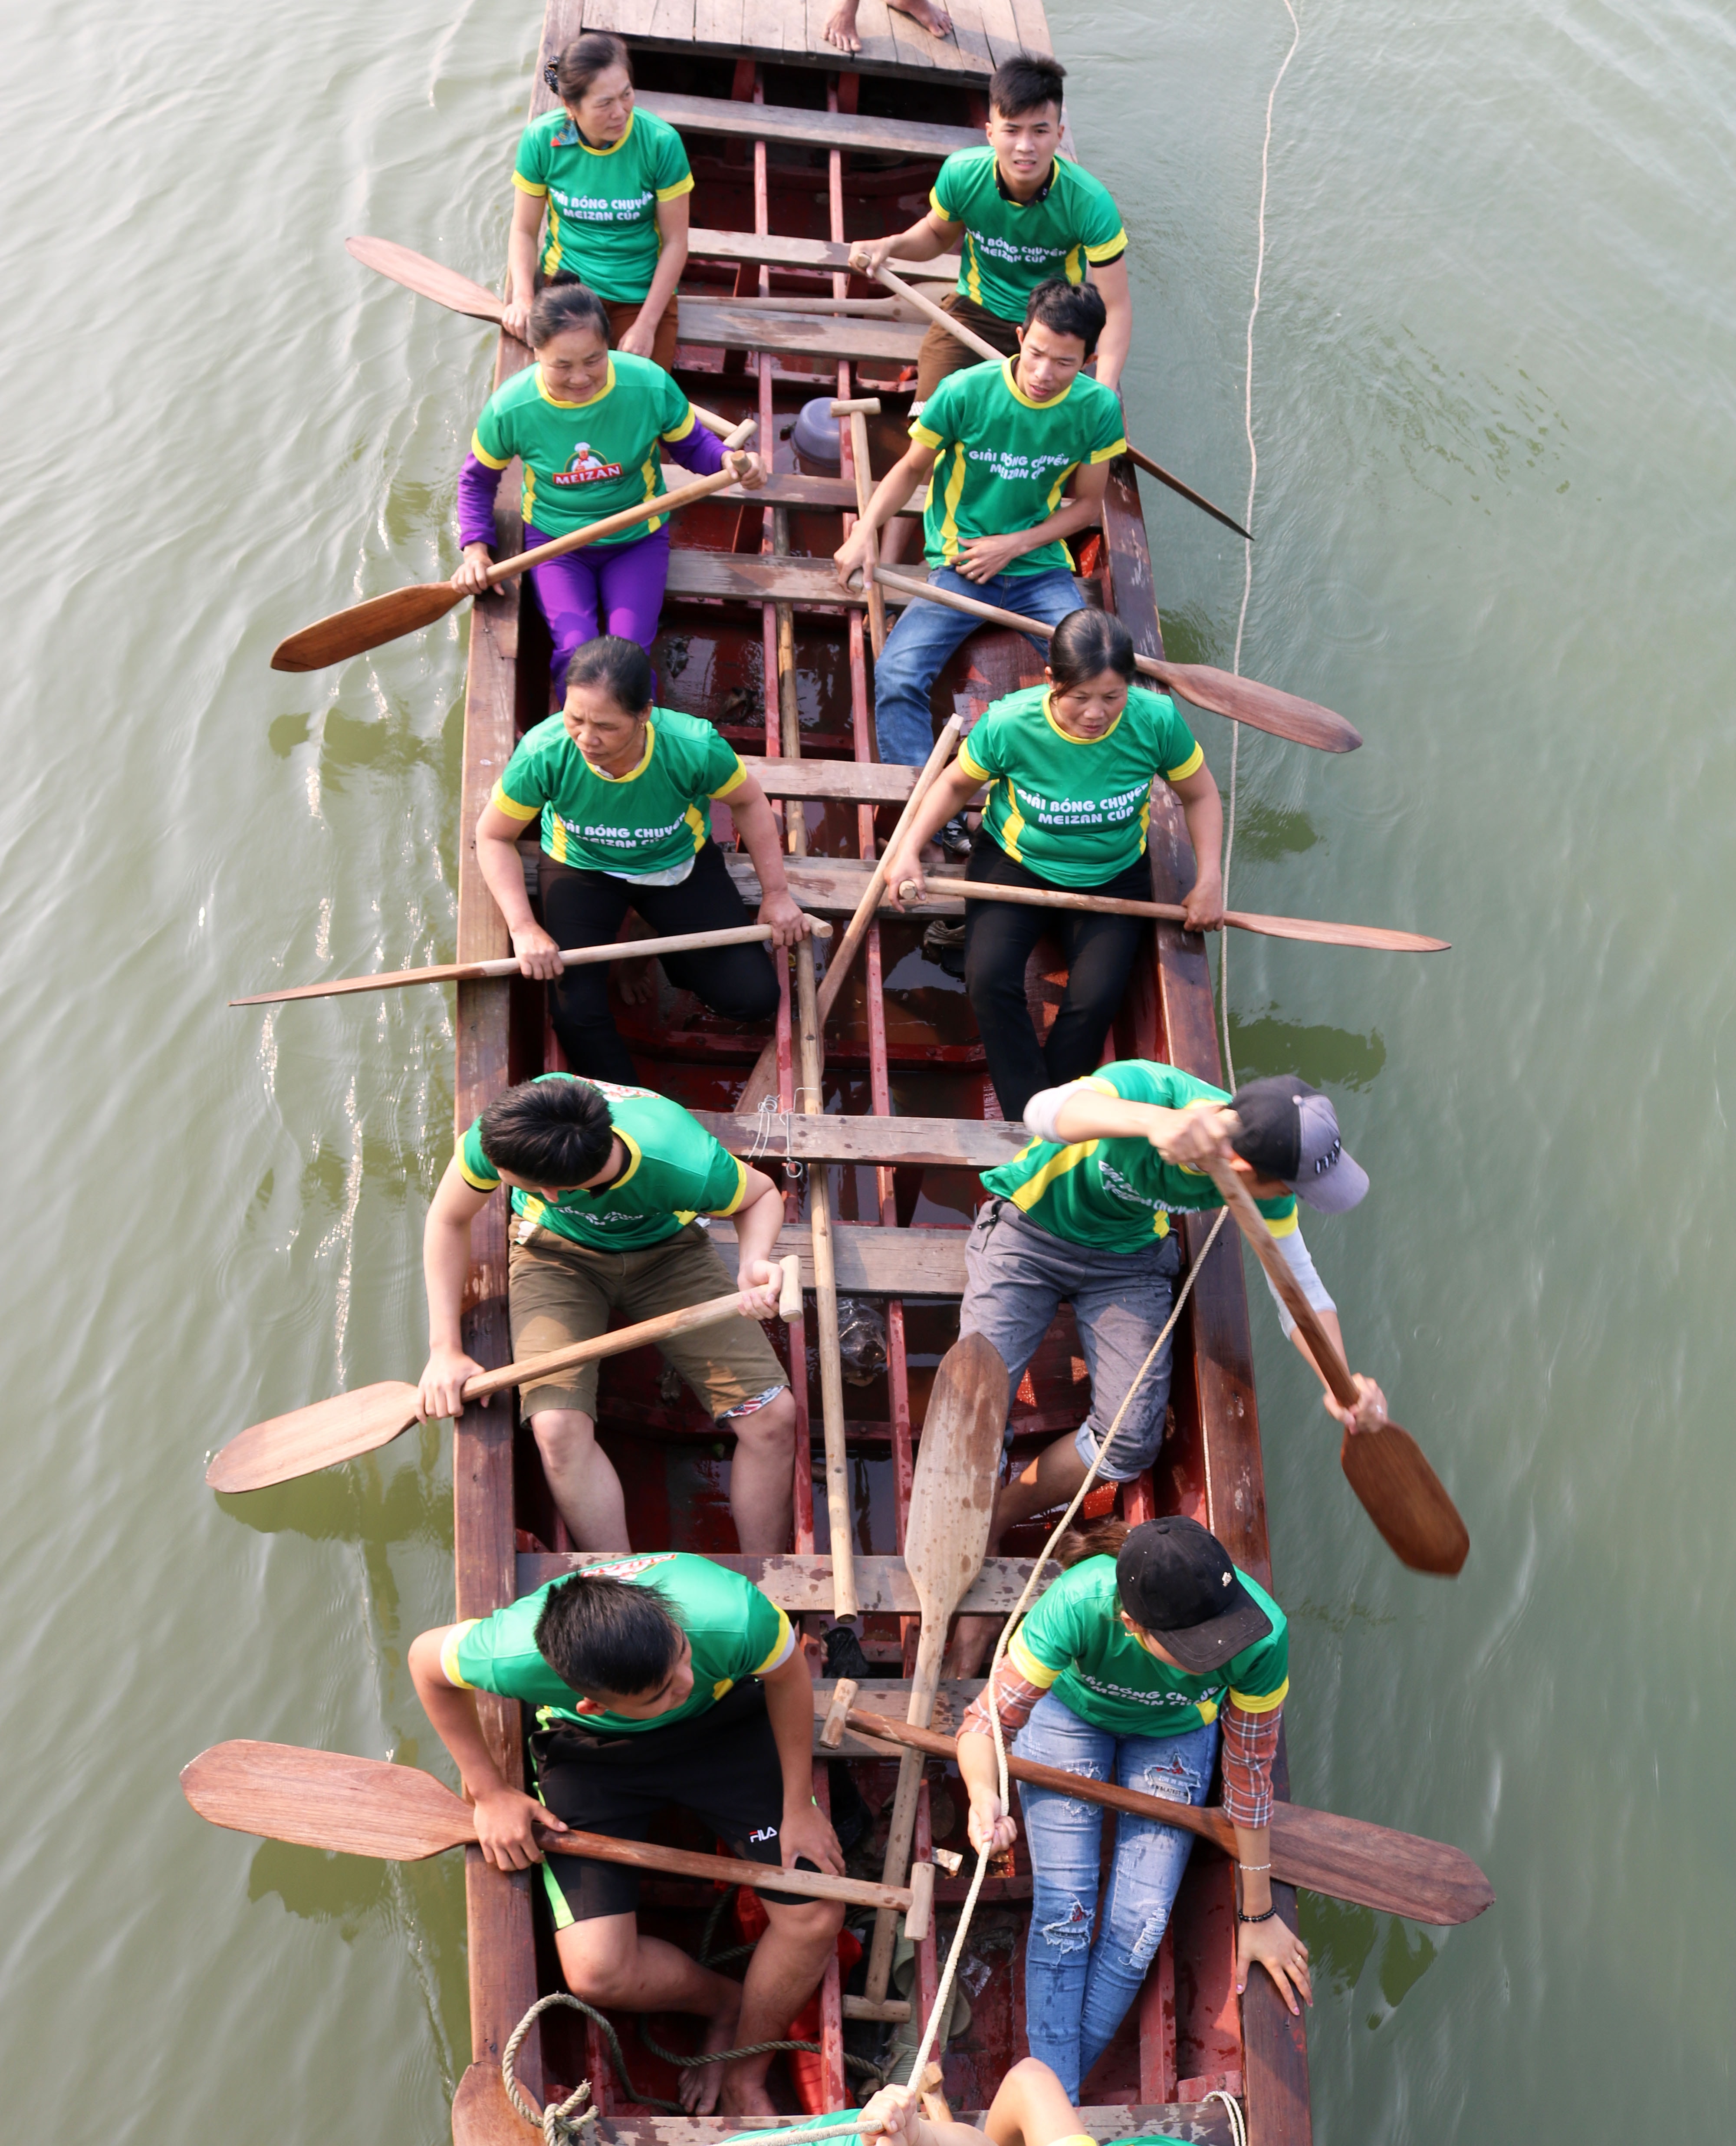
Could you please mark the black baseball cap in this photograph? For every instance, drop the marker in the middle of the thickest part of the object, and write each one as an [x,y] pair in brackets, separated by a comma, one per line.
[1289,1132]
[1176,1582]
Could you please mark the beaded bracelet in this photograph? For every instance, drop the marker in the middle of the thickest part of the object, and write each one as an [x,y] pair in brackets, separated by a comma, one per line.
[1254,1867]
[1265,1917]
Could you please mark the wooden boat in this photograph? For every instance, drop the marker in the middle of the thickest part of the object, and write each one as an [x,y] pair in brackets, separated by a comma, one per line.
[792,155]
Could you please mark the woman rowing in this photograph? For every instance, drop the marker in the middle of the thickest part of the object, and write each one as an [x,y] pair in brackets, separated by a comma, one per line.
[624,791]
[615,180]
[1069,766]
[591,426]
[1149,1651]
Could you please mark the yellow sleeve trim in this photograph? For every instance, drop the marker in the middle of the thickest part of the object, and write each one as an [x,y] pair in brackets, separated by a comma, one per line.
[970,767]
[483,454]
[734,782]
[511,806]
[1191,766]
[740,1189]
[476,1184]
[939,206]
[1287,1226]
[1265,1702]
[1108,454]
[674,193]
[684,428]
[924,438]
[781,1652]
[1110,249]
[1029,1667]
[529,186]
[449,1653]
[1103,1087]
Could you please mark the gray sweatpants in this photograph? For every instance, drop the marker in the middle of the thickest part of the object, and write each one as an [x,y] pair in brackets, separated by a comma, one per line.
[1015,1275]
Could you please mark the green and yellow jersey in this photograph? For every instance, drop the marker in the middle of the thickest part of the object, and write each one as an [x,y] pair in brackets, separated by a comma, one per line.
[1010,246]
[602,203]
[675,1171]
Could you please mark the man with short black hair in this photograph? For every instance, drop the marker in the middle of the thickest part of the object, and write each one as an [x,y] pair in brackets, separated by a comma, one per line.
[650,1680]
[606,1183]
[1020,213]
[998,446]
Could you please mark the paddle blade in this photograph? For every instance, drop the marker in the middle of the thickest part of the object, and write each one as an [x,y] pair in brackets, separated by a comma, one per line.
[1395,1874]
[1262,707]
[1403,1497]
[428,279]
[1373,936]
[327,1800]
[958,1463]
[312,1438]
[365,626]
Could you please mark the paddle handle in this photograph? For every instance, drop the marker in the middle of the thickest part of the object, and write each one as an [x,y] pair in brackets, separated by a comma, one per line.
[727,1869]
[914,592]
[858,410]
[623,1338]
[940,316]
[625,950]
[901,1831]
[1042,897]
[667,502]
[1252,1224]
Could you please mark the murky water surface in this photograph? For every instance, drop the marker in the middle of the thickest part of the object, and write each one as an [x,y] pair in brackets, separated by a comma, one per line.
[1493,407]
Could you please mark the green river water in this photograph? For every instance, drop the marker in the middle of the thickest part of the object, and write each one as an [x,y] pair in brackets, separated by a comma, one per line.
[1493,400]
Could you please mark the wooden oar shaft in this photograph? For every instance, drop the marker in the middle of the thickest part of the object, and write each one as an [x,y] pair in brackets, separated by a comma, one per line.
[916,592]
[1171,912]
[1251,1223]
[841,1520]
[571,957]
[667,502]
[972,340]
[727,1869]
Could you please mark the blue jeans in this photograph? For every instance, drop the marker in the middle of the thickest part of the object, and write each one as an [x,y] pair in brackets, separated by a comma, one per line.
[1076,1995]
[926,635]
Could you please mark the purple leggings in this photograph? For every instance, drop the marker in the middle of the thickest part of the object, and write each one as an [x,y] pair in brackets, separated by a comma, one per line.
[604,588]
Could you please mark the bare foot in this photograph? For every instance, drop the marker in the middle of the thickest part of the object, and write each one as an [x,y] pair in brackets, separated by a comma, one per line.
[636,981]
[841,27]
[702,2085]
[743,2099]
[925,16]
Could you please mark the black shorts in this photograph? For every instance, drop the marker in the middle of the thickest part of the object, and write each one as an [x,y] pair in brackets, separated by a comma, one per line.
[723,1766]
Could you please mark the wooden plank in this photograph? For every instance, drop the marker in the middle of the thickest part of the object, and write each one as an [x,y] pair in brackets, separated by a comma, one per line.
[873,1261]
[717,23]
[1000,26]
[833,495]
[799,1583]
[829,886]
[1033,27]
[770,250]
[1193,2123]
[672,21]
[933,1143]
[971,41]
[762,31]
[879,52]
[850,781]
[861,131]
[744,577]
[709,325]
[627,19]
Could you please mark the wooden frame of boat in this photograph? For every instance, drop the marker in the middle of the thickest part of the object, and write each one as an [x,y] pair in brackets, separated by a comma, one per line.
[788,144]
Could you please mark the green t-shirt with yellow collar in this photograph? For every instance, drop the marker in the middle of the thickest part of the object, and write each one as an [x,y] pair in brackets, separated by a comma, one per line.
[734,1632]
[1117,1195]
[1002,461]
[1010,246]
[675,1171]
[643,825]
[1074,811]
[602,203]
[583,461]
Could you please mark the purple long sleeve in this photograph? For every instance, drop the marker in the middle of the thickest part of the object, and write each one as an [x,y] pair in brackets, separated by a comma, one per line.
[477,485]
[702,452]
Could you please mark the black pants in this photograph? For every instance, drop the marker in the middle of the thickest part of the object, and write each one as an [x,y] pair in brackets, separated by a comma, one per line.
[999,936]
[587,908]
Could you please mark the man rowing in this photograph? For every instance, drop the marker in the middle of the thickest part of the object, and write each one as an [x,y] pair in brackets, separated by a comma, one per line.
[1082,1215]
[650,1680]
[1015,456]
[606,1183]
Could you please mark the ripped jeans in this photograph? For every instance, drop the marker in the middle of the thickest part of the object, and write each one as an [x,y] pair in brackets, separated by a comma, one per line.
[1075,1993]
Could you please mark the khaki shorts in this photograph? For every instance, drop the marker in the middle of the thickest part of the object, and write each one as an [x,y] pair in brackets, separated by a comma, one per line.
[940,351]
[558,1292]
[623,313]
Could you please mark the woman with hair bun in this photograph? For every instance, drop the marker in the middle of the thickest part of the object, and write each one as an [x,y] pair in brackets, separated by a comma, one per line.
[591,426]
[614,182]
[1070,767]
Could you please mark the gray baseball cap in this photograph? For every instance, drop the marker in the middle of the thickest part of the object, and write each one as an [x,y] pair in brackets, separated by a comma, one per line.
[1289,1132]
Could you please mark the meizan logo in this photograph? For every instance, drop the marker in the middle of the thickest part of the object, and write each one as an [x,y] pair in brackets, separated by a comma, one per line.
[585,467]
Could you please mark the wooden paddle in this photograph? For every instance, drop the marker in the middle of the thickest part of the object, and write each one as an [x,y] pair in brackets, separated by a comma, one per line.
[858,410]
[762,1081]
[1401,1493]
[972,340]
[945,1539]
[351,1806]
[1369,935]
[1242,700]
[350,1424]
[572,957]
[364,626]
[1347,1859]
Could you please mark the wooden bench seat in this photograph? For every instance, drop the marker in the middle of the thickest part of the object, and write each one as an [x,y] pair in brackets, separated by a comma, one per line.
[713,324]
[872,1260]
[932,1143]
[767,249]
[847,782]
[800,1583]
[836,495]
[746,578]
[865,133]
[829,886]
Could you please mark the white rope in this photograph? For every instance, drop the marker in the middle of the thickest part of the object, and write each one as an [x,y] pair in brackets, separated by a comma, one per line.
[1238,2122]
[1235,738]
